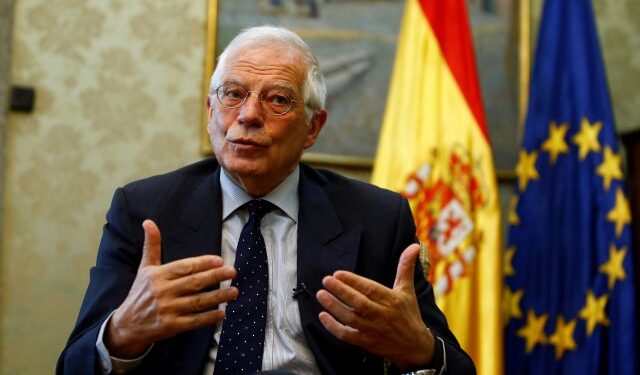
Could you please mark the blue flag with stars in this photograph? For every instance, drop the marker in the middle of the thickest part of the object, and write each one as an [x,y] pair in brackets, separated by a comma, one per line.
[569,294]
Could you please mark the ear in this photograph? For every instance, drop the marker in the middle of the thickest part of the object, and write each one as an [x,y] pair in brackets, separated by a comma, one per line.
[317,122]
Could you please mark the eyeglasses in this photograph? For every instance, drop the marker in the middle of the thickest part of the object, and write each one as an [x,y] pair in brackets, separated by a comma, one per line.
[274,101]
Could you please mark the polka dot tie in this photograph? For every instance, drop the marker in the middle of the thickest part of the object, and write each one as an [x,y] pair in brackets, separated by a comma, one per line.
[242,338]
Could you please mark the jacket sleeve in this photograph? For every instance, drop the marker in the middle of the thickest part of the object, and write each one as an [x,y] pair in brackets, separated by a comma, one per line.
[457,360]
[111,278]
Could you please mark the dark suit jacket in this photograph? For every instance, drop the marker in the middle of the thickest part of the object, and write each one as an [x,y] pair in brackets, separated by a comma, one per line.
[343,225]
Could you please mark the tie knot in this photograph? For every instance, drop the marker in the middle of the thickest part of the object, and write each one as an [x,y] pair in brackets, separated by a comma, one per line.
[257,208]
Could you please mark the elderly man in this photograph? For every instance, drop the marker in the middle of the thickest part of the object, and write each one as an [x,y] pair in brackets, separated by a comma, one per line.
[254,262]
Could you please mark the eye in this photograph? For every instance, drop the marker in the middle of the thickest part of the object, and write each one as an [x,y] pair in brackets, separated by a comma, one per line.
[277,99]
[234,93]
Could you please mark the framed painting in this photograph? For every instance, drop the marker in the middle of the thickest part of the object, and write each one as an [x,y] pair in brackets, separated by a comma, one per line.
[355,42]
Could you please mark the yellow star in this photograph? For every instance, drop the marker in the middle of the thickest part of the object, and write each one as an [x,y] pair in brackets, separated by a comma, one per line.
[593,311]
[555,144]
[610,167]
[526,168]
[563,337]
[507,261]
[514,219]
[587,137]
[533,332]
[613,267]
[620,214]
[511,304]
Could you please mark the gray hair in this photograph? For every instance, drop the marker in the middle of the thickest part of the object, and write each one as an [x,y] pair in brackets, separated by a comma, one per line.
[315,90]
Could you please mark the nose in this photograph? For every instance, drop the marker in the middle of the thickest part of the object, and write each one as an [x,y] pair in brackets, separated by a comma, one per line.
[251,113]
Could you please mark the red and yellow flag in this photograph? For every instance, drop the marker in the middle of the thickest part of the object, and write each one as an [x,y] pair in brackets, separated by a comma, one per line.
[434,148]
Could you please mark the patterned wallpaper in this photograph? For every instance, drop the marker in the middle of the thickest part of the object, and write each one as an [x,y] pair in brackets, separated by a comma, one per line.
[6,27]
[118,98]
[118,86]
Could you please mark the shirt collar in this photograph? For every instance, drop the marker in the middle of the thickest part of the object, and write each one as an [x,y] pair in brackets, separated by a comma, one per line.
[284,196]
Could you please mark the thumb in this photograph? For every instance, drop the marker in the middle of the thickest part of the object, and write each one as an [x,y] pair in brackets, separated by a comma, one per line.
[151,247]
[406,267]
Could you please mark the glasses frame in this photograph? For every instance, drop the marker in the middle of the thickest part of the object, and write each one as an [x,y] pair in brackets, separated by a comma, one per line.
[260,98]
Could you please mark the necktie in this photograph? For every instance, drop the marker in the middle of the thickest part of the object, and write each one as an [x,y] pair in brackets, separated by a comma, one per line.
[242,338]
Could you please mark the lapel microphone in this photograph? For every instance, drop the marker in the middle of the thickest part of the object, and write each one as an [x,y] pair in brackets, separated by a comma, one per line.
[301,290]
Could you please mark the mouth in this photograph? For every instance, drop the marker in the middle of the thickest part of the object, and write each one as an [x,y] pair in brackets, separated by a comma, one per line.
[246,143]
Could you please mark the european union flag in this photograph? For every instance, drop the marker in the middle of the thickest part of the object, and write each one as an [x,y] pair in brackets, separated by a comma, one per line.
[569,297]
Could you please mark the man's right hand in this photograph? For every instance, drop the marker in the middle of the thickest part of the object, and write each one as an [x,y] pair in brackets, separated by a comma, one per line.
[167,299]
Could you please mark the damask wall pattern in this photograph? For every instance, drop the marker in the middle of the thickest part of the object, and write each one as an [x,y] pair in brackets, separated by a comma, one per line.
[6,29]
[118,98]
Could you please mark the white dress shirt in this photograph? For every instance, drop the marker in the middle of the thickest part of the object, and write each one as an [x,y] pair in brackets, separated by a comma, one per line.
[285,346]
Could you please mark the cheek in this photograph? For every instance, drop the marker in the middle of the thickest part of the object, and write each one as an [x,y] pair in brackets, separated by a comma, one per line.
[217,126]
[293,133]
[299,139]
[217,133]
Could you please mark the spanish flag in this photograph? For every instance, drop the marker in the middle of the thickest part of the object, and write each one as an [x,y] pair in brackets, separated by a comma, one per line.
[434,148]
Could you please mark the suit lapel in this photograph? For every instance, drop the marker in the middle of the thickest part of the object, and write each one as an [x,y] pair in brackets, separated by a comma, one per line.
[199,229]
[324,246]
[198,232]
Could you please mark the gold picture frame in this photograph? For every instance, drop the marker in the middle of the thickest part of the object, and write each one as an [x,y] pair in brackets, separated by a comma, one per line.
[341,159]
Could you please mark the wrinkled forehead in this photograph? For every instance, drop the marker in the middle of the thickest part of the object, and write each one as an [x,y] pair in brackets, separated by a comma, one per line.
[273,61]
[286,51]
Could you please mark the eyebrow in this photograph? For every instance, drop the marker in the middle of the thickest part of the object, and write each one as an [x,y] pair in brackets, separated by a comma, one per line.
[275,85]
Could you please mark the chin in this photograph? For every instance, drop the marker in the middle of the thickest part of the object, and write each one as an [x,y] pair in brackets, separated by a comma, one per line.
[244,167]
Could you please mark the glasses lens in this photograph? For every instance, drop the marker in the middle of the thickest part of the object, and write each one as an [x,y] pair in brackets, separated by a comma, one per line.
[231,95]
[276,102]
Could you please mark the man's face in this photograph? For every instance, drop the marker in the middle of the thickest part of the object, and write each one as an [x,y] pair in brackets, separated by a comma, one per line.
[251,144]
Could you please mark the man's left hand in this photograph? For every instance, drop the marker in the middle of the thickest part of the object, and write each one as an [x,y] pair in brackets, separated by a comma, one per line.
[383,321]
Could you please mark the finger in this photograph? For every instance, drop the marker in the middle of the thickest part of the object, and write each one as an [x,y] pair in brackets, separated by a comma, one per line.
[189,266]
[151,252]
[197,281]
[338,309]
[350,296]
[198,320]
[406,267]
[203,301]
[372,289]
[341,331]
